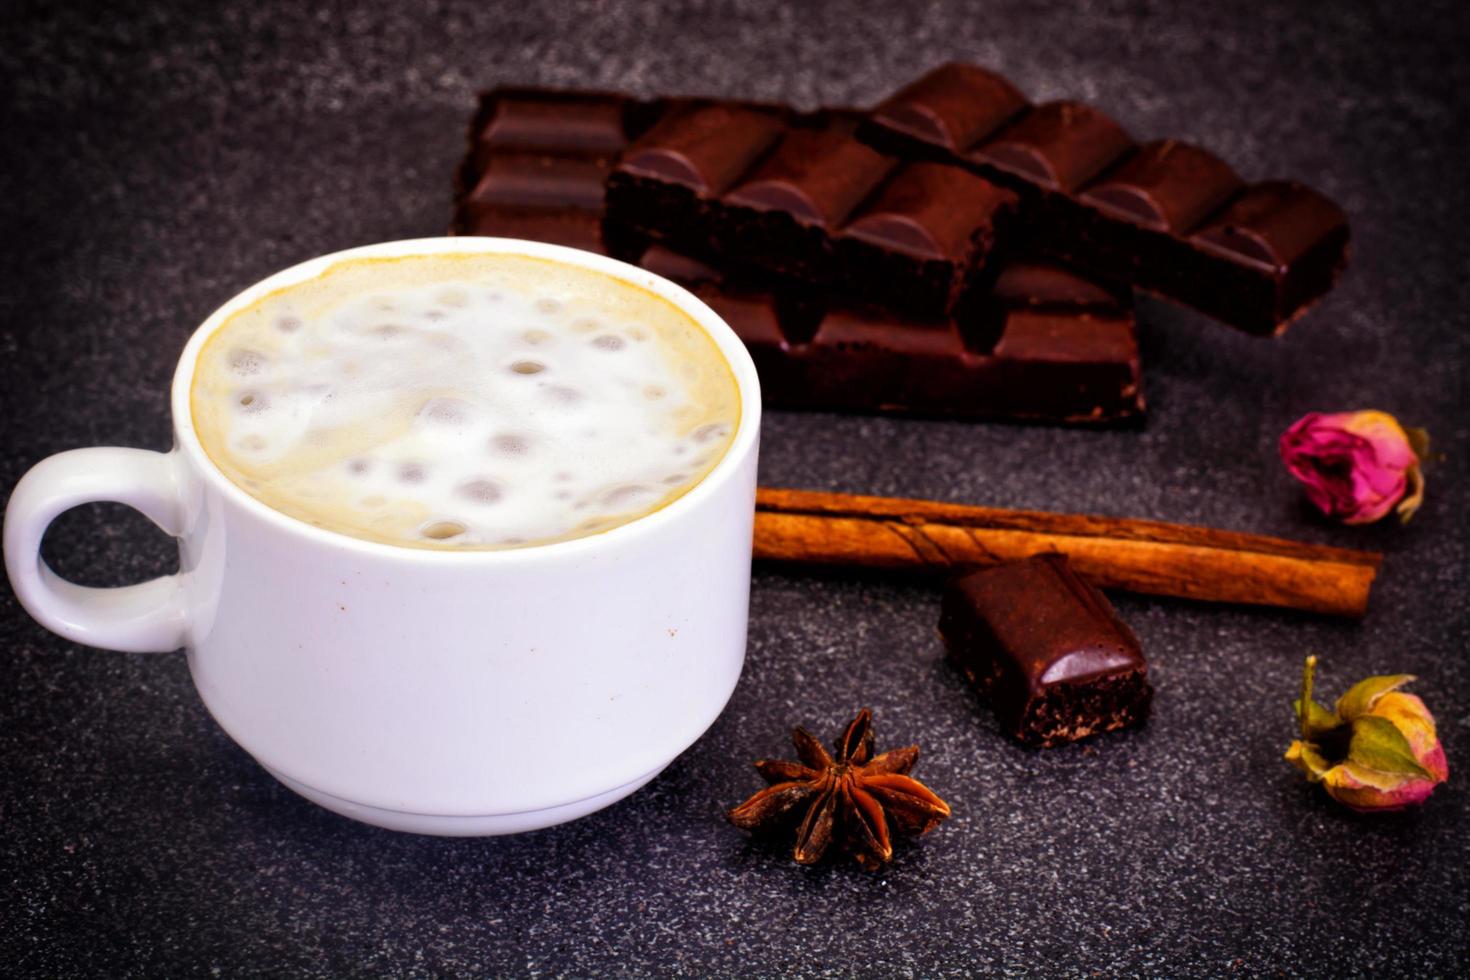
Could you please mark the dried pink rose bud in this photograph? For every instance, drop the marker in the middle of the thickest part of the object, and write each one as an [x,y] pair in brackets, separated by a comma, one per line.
[1375,751]
[1356,466]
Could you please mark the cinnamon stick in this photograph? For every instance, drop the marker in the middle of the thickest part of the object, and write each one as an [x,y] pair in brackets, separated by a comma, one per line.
[1136,555]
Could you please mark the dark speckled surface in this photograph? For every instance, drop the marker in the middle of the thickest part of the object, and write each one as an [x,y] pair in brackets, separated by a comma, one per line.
[156,163]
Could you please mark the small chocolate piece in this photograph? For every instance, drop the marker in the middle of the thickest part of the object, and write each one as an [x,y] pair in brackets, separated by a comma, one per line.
[816,176]
[1047,650]
[933,235]
[954,106]
[1166,186]
[1059,146]
[704,147]
[527,121]
[1042,284]
[931,212]
[858,360]
[1268,256]
[533,181]
[681,268]
[1271,226]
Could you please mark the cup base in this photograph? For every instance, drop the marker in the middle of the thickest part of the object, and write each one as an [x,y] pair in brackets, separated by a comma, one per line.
[440,825]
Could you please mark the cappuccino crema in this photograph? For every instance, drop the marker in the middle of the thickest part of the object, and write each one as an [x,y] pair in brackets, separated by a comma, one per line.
[465,401]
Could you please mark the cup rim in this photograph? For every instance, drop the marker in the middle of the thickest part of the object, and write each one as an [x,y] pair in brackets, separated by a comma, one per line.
[186,438]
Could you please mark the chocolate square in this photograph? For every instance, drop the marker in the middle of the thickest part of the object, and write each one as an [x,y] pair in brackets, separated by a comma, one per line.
[589,124]
[1168,186]
[931,234]
[705,148]
[1047,650]
[523,180]
[954,106]
[1058,146]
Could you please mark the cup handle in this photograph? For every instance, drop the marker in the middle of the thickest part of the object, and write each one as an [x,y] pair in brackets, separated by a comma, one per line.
[149,617]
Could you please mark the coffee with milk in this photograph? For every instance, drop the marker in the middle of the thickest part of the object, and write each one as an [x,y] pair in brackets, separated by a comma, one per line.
[464,401]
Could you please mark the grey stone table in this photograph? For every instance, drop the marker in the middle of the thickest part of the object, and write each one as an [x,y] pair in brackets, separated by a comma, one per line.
[156,163]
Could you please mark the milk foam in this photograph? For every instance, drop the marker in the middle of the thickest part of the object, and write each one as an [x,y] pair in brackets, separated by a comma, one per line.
[464,401]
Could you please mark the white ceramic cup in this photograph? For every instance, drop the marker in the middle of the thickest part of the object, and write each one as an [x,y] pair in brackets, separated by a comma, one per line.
[441,692]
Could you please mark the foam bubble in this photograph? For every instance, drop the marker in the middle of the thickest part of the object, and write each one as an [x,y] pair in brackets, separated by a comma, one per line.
[528,367]
[628,496]
[443,530]
[252,402]
[710,432]
[449,413]
[562,394]
[510,444]
[481,491]
[247,363]
[609,342]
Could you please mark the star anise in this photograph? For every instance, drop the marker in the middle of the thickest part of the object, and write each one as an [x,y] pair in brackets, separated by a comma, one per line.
[851,799]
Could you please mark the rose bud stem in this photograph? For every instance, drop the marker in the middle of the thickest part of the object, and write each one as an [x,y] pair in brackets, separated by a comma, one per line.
[1303,709]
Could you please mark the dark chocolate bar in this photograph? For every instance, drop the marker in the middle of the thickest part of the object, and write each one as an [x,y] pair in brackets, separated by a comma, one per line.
[1167,217]
[1032,358]
[1044,345]
[1046,649]
[800,197]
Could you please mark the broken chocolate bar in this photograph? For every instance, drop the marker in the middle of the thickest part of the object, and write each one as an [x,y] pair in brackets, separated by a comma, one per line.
[1043,345]
[1023,358]
[1046,649]
[1166,217]
[799,197]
